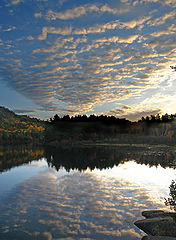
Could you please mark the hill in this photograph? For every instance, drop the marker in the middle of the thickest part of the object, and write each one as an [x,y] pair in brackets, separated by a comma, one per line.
[6,113]
[19,128]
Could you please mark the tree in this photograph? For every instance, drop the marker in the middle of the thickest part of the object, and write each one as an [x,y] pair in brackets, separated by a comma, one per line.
[174,68]
[152,118]
[158,119]
[66,118]
[171,201]
[56,118]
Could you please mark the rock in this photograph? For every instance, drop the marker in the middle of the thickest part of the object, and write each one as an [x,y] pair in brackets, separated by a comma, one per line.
[158,238]
[158,226]
[157,213]
[152,213]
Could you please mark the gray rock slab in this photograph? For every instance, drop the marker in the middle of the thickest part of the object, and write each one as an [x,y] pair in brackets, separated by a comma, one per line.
[152,213]
[157,213]
[158,238]
[158,226]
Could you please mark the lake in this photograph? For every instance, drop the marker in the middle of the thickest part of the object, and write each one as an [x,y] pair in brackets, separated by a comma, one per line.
[94,192]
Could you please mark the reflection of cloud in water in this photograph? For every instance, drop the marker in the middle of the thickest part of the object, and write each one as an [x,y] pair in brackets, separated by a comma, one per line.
[74,206]
[156,179]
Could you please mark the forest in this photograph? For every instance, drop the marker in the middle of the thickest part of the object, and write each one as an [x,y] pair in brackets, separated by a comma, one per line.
[100,129]
[22,129]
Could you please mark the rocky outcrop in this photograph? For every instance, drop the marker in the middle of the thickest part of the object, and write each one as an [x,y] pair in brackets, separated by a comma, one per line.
[158,213]
[158,238]
[159,225]
[153,213]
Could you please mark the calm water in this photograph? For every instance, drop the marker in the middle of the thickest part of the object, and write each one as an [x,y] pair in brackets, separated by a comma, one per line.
[81,193]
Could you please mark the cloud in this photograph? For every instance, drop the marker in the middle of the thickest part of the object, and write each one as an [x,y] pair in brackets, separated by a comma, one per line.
[101,28]
[47,235]
[163,43]
[134,113]
[136,22]
[97,28]
[38,15]
[161,20]
[25,111]
[10,28]
[15,2]
[139,114]
[161,33]
[30,38]
[80,11]
[113,39]
[136,2]
[71,13]
[167,31]
[59,43]
[128,39]
[53,30]
[119,112]
[170,2]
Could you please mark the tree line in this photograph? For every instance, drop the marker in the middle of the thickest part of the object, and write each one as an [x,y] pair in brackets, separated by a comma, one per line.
[158,119]
[112,119]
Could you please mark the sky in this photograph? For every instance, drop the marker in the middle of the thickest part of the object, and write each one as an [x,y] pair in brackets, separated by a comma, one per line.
[88,57]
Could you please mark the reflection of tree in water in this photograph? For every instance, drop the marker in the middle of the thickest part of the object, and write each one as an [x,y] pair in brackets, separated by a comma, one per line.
[106,157]
[163,157]
[81,158]
[171,201]
[11,156]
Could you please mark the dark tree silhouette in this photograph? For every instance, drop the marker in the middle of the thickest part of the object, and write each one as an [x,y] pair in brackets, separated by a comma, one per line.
[56,118]
[171,201]
[173,67]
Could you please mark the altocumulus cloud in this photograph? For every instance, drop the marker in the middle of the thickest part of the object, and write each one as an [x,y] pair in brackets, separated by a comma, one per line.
[76,58]
[81,10]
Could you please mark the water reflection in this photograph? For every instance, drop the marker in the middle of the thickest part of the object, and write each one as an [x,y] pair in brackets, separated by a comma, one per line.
[73,199]
[73,206]
[90,157]
[108,157]
[13,156]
